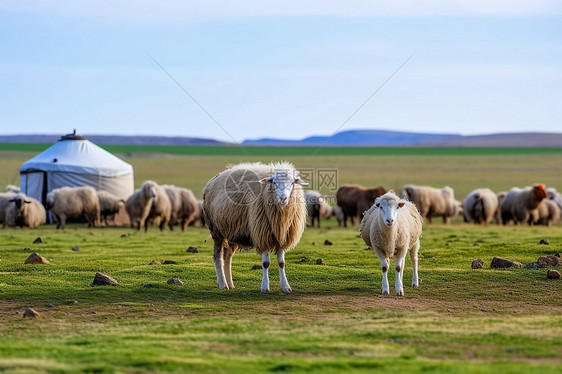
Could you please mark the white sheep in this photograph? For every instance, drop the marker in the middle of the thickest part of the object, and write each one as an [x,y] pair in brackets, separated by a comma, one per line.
[25,211]
[67,202]
[519,204]
[5,198]
[183,206]
[433,202]
[254,205]
[198,220]
[554,195]
[480,206]
[547,213]
[392,226]
[149,204]
[110,205]
[317,207]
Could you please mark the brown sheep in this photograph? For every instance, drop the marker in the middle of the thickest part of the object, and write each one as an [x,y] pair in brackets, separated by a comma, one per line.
[355,199]
[149,204]
[184,206]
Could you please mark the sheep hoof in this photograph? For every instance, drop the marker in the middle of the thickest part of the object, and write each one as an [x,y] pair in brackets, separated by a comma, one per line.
[385,292]
[400,292]
[287,290]
[414,285]
[265,290]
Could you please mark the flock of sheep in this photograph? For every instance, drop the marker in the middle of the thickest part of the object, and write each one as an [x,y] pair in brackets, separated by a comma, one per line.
[263,206]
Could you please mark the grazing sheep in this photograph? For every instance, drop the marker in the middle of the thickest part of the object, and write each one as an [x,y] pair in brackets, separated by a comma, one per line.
[480,206]
[74,202]
[254,205]
[547,213]
[519,204]
[355,200]
[109,205]
[4,204]
[554,195]
[501,195]
[338,212]
[198,220]
[13,189]
[392,226]
[433,202]
[317,207]
[183,206]
[149,204]
[25,211]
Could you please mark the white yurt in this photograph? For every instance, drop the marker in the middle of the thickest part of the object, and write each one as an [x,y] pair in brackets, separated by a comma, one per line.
[75,161]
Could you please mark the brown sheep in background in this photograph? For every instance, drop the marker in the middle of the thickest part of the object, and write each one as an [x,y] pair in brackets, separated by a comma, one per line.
[432,202]
[355,199]
[184,207]
[547,213]
[149,204]
[109,205]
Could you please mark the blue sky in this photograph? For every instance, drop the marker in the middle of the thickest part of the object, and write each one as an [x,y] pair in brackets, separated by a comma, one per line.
[279,68]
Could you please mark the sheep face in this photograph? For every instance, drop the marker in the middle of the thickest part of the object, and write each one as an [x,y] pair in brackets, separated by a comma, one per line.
[19,202]
[389,209]
[149,191]
[283,181]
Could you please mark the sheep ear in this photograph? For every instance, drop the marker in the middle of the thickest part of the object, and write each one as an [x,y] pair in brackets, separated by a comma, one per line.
[301,182]
[378,205]
[27,201]
[265,180]
[401,204]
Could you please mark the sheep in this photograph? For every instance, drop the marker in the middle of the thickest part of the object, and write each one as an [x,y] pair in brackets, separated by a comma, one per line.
[13,189]
[391,227]
[198,220]
[25,211]
[317,207]
[480,206]
[183,206]
[74,202]
[149,204]
[498,216]
[554,195]
[254,205]
[433,202]
[4,204]
[519,204]
[355,199]
[109,205]
[338,212]
[547,213]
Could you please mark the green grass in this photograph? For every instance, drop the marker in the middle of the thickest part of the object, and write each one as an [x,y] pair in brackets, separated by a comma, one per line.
[459,320]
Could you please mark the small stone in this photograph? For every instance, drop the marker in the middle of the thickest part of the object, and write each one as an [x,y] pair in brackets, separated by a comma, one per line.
[175,281]
[478,264]
[155,263]
[30,313]
[327,242]
[50,306]
[169,262]
[38,240]
[104,280]
[548,261]
[314,243]
[532,265]
[75,249]
[257,267]
[124,235]
[544,241]
[320,262]
[36,258]
[477,244]
[193,250]
[147,285]
[498,262]
[553,274]
[304,259]
[26,249]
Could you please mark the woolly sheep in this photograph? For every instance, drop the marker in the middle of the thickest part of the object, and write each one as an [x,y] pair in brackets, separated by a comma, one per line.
[149,204]
[547,213]
[109,205]
[183,205]
[317,207]
[355,199]
[554,195]
[432,202]
[392,226]
[4,204]
[198,220]
[501,195]
[254,205]
[519,204]
[67,202]
[25,211]
[13,189]
[480,206]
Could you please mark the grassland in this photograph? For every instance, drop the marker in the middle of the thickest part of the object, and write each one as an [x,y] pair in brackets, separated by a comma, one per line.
[459,321]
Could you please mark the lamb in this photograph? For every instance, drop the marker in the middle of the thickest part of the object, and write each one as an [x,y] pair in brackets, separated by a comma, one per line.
[149,204]
[392,226]
[519,204]
[433,202]
[547,213]
[74,202]
[25,211]
[480,206]
[317,207]
[109,205]
[355,199]
[13,189]
[4,204]
[254,205]
[183,206]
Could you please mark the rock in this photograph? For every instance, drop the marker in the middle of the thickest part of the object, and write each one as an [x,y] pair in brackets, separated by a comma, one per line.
[498,262]
[532,265]
[147,285]
[327,242]
[50,306]
[193,250]
[155,263]
[124,235]
[75,249]
[558,255]
[36,258]
[304,259]
[553,274]
[38,240]
[175,281]
[320,262]
[544,241]
[169,262]
[548,261]
[103,280]
[256,267]
[314,243]
[26,249]
[478,264]
[30,313]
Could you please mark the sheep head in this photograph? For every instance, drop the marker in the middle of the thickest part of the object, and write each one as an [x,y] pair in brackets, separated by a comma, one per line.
[389,204]
[19,201]
[540,192]
[283,182]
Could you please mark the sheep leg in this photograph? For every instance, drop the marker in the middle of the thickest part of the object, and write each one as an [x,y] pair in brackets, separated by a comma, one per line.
[282,276]
[385,264]
[265,278]
[344,219]
[399,273]
[228,253]
[414,256]
[219,263]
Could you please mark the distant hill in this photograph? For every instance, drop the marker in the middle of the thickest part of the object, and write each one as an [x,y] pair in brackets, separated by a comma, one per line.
[516,140]
[113,139]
